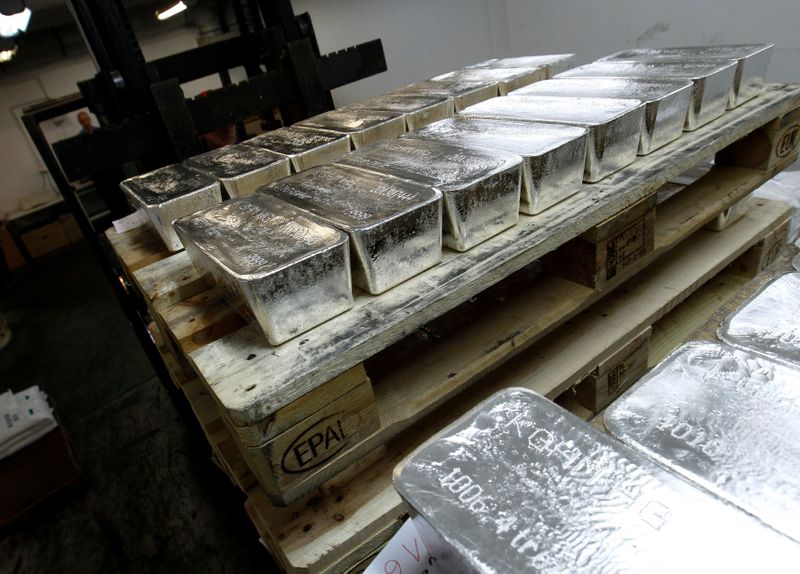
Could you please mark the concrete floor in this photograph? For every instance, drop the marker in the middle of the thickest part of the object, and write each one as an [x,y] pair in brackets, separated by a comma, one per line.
[151,500]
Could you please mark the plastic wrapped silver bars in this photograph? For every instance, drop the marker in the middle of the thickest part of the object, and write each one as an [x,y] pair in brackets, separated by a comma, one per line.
[725,419]
[480,188]
[241,169]
[666,103]
[418,110]
[463,92]
[553,155]
[507,79]
[305,148]
[614,125]
[713,82]
[520,485]
[752,61]
[171,192]
[362,126]
[395,225]
[272,262]
[553,63]
[769,322]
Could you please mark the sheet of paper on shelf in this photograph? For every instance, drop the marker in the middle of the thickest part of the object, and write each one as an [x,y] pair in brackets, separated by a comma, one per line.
[405,553]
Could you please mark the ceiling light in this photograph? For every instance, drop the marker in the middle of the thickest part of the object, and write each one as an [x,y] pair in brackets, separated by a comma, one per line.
[6,55]
[171,11]
[14,24]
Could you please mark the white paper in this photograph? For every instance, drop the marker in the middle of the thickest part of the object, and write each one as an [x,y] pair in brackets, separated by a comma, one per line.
[405,553]
[25,417]
[132,221]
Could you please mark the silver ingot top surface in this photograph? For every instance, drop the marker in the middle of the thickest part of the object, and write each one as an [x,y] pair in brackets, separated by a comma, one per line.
[524,138]
[520,485]
[434,163]
[257,235]
[233,160]
[725,419]
[452,87]
[348,120]
[576,111]
[690,69]
[555,63]
[352,198]
[291,141]
[166,183]
[622,88]
[402,103]
[483,74]
[769,322]
[723,52]
[796,262]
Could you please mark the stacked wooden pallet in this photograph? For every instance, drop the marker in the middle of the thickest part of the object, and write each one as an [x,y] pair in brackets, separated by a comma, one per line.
[322,419]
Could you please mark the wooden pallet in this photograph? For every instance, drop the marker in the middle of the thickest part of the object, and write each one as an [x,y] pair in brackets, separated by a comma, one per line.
[321,376]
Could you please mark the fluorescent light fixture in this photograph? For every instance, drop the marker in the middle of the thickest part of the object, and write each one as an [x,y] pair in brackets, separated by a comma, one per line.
[171,11]
[6,55]
[15,24]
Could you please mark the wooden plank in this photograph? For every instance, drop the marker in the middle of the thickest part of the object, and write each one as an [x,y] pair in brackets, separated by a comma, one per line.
[251,390]
[366,503]
[766,146]
[137,248]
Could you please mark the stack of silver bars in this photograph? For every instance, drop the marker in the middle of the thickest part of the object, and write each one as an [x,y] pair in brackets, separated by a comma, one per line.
[701,472]
[444,162]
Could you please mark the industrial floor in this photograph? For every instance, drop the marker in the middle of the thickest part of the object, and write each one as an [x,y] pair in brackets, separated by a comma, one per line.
[151,499]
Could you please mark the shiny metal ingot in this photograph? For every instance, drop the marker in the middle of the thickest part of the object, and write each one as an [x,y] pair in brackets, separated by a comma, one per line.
[241,169]
[752,61]
[480,188]
[553,63]
[507,79]
[768,323]
[796,262]
[171,192]
[418,110]
[553,155]
[272,263]
[519,484]
[305,148]
[725,419]
[730,215]
[463,92]
[713,82]
[614,125]
[395,225]
[666,103]
[362,126]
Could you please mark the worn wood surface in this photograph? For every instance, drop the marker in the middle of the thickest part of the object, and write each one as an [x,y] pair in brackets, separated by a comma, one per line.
[251,390]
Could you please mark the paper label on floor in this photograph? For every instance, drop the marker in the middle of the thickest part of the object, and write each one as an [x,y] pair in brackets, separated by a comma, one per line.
[405,553]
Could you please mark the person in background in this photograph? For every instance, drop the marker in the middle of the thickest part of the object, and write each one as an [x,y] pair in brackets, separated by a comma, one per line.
[86,123]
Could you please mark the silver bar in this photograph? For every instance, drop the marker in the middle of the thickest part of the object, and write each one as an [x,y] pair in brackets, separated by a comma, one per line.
[666,103]
[418,110]
[553,63]
[241,169]
[168,193]
[725,419]
[614,125]
[362,126]
[713,82]
[480,188]
[520,485]
[553,155]
[752,61]
[730,215]
[507,79]
[769,322]
[395,225]
[796,262]
[464,93]
[272,263]
[305,148]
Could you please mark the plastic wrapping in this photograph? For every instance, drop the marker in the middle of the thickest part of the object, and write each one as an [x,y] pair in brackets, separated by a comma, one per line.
[553,155]
[272,263]
[395,225]
[480,188]
[520,485]
[725,419]
[666,103]
[614,125]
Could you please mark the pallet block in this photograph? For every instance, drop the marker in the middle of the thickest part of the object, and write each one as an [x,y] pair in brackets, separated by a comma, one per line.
[763,253]
[767,146]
